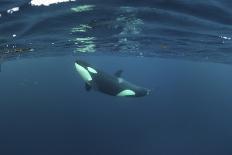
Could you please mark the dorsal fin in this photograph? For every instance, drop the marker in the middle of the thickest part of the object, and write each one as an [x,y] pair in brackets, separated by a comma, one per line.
[118,73]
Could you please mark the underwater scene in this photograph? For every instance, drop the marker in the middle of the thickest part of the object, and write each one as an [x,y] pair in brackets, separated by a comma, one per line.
[115,77]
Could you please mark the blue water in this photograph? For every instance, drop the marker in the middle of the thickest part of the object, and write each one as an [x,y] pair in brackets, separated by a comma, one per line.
[180,49]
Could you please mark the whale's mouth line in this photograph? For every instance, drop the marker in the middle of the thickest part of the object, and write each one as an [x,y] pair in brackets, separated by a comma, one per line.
[148,91]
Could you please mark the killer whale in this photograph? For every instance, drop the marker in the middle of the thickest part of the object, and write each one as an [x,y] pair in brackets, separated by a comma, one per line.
[109,84]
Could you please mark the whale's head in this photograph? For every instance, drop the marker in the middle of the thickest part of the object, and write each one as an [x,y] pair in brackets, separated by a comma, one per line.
[137,92]
[142,92]
[85,70]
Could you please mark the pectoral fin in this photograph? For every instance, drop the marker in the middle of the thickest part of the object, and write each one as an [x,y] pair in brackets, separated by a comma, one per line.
[87,87]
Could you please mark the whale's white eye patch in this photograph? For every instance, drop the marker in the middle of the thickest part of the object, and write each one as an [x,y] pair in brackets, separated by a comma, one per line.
[83,72]
[126,92]
[92,70]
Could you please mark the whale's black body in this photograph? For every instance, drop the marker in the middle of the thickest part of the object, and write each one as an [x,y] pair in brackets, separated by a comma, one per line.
[108,84]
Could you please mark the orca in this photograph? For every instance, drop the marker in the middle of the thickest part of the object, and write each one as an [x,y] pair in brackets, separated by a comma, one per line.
[113,85]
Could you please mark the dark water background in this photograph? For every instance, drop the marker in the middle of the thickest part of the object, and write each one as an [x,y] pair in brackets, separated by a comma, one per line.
[180,49]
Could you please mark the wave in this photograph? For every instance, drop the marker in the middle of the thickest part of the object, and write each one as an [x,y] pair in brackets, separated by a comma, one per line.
[191,30]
